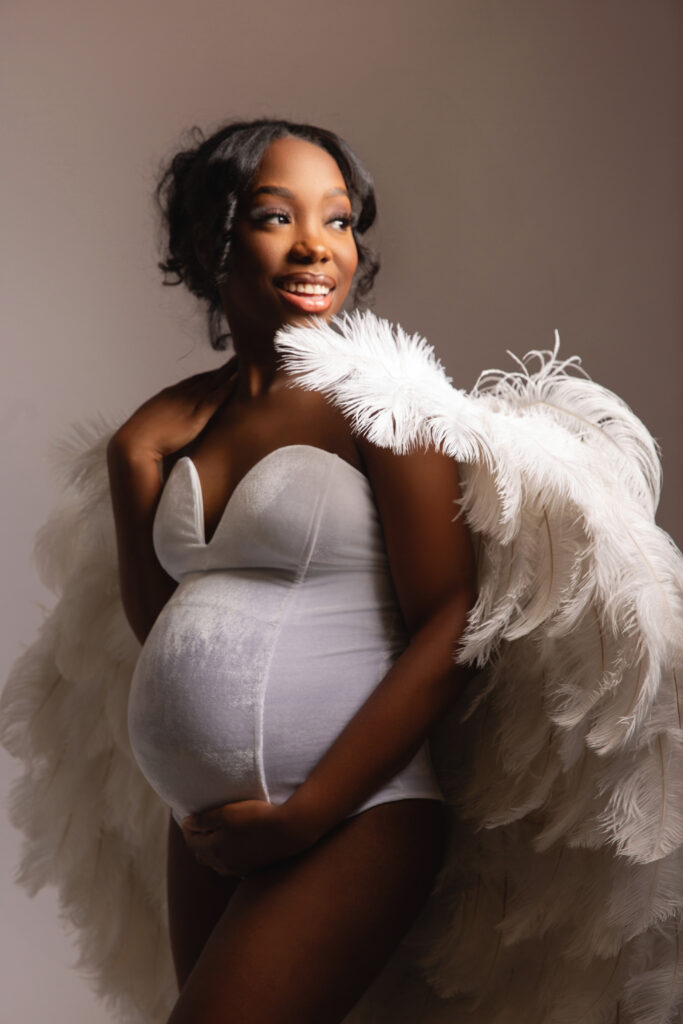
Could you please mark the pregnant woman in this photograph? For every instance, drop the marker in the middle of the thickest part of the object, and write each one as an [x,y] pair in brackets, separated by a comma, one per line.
[299,592]
[344,838]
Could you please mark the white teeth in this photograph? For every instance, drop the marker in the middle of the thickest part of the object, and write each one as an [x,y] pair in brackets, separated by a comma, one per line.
[298,288]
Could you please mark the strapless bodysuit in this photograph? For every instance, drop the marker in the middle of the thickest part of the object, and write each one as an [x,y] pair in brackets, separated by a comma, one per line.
[280,628]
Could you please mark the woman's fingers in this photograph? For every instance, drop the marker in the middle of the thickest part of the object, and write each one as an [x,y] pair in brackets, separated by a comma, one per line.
[211,849]
[207,821]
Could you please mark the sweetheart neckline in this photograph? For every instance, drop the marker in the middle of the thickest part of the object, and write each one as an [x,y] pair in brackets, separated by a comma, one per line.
[199,495]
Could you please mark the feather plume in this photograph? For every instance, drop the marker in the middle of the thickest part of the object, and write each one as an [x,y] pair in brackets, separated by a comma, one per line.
[653,993]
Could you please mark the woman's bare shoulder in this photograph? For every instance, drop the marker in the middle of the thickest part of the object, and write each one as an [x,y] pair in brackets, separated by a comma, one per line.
[322,423]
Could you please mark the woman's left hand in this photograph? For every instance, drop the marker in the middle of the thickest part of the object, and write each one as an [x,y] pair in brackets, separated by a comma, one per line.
[243,836]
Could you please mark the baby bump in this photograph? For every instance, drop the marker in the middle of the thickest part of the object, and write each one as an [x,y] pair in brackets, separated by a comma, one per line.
[193,713]
[244,682]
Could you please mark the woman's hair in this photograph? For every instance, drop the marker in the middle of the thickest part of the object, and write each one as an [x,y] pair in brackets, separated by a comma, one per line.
[198,195]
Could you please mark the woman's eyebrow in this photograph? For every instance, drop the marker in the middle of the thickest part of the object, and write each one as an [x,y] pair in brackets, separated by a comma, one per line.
[278,190]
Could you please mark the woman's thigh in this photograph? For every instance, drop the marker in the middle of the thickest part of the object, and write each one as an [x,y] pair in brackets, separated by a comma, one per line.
[302,940]
[197,897]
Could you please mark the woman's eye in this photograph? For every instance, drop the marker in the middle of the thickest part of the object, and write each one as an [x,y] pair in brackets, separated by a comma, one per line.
[343,220]
[279,218]
[266,216]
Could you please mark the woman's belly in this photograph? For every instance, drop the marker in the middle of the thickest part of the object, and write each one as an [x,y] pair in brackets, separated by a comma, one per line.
[247,678]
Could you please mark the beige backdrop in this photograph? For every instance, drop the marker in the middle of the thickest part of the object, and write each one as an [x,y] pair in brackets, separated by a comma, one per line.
[528,160]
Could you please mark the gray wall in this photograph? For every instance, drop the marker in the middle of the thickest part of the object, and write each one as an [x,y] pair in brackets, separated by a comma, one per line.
[528,160]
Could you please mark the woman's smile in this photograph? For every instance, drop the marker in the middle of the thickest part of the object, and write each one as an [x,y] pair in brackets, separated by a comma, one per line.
[309,292]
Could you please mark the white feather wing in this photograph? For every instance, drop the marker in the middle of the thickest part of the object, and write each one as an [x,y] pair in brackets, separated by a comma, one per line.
[92,826]
[564,888]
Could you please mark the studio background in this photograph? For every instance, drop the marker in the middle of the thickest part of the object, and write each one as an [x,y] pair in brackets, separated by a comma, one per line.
[528,159]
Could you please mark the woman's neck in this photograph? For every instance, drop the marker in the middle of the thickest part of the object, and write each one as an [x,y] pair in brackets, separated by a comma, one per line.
[258,368]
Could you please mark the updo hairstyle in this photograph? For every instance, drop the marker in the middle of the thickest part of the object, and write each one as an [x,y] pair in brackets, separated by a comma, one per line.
[199,191]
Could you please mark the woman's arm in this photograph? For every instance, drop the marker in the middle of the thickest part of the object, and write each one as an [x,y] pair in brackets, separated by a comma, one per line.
[161,426]
[135,484]
[433,569]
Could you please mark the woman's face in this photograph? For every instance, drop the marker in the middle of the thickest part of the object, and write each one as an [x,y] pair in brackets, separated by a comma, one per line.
[293,253]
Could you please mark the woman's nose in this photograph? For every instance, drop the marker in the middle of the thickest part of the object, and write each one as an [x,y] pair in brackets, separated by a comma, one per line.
[310,250]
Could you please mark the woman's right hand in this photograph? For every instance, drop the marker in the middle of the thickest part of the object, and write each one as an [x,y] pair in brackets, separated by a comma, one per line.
[176,415]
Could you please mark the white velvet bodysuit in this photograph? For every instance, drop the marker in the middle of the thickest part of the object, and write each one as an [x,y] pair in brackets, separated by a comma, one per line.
[280,628]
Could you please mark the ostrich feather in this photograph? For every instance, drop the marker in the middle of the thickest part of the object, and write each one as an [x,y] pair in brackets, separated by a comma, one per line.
[654,991]
[645,809]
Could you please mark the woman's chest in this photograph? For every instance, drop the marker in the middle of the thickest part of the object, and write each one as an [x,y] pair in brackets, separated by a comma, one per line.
[298,507]
[243,433]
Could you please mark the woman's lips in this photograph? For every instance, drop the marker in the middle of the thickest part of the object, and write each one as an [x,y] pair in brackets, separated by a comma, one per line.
[308,303]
